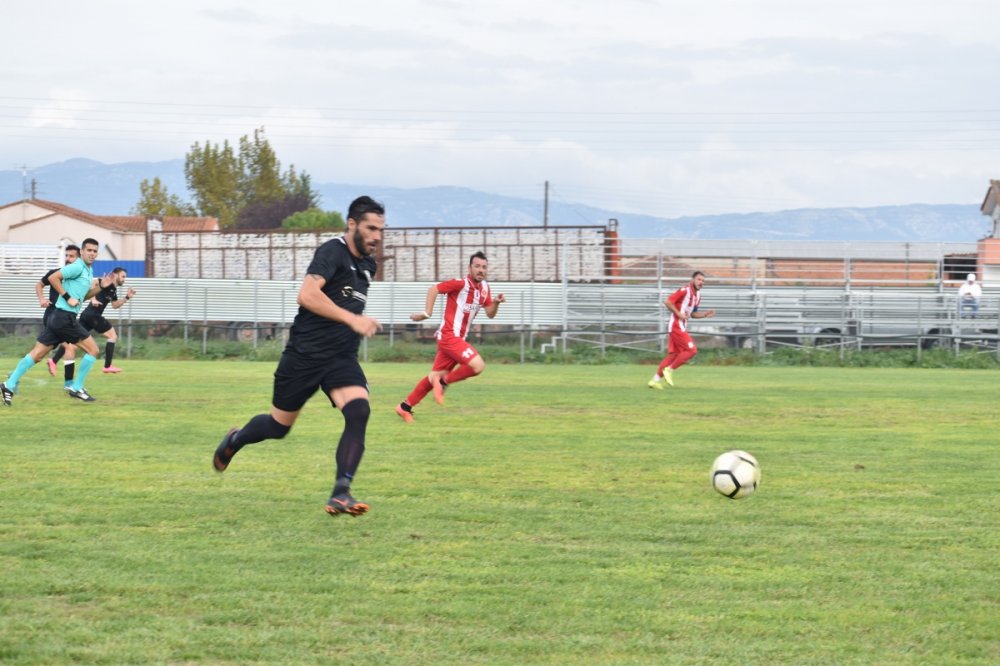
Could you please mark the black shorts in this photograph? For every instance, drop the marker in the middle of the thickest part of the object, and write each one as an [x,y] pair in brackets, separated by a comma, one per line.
[62,326]
[95,323]
[45,316]
[297,378]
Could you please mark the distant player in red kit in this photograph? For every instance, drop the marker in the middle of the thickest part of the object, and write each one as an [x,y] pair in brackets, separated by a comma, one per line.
[456,359]
[683,305]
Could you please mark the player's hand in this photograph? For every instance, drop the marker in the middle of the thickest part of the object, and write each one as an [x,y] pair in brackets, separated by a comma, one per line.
[130,293]
[419,316]
[68,299]
[44,303]
[710,313]
[366,326]
[499,298]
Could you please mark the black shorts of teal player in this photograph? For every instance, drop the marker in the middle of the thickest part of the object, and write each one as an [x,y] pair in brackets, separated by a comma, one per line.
[322,352]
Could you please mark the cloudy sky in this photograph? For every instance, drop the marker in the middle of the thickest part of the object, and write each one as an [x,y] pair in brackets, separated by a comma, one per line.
[667,108]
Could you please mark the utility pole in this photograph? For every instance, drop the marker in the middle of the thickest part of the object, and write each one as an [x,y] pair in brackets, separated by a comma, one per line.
[545,211]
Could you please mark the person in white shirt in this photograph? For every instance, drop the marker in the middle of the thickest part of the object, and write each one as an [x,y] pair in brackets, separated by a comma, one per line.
[968,296]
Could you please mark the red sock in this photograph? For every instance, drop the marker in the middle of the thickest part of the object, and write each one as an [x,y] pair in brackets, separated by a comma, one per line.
[422,389]
[459,373]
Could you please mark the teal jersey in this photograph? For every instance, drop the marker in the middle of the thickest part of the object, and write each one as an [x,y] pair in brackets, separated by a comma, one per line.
[76,280]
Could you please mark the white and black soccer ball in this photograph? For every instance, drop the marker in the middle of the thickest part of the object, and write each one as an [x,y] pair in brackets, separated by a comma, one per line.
[735,474]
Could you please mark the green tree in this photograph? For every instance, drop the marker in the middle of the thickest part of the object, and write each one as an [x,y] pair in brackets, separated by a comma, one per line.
[213,175]
[156,201]
[245,188]
[314,218]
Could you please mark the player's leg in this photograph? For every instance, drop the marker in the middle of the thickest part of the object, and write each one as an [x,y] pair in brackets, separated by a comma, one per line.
[56,357]
[442,364]
[109,346]
[69,365]
[469,364]
[687,350]
[295,381]
[352,401]
[37,353]
[91,351]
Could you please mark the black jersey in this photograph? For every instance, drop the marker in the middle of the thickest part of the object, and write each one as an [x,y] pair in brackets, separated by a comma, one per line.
[53,294]
[347,279]
[103,297]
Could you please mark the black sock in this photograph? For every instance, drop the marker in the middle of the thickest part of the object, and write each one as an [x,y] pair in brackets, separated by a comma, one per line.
[109,353]
[352,442]
[60,352]
[257,429]
[69,368]
[406,407]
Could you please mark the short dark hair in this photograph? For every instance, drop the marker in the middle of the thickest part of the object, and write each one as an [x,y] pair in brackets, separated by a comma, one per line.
[478,255]
[89,241]
[119,269]
[362,206]
[73,248]
[696,274]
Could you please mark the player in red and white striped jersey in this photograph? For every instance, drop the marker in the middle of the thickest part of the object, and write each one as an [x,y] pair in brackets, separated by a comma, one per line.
[683,305]
[456,359]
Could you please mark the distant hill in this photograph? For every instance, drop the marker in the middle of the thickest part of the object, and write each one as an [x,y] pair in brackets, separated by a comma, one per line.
[112,189]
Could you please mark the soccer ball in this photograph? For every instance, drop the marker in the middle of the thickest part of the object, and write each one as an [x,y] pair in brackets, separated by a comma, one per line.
[735,474]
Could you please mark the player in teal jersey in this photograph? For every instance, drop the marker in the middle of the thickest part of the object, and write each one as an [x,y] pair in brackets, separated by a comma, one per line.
[74,284]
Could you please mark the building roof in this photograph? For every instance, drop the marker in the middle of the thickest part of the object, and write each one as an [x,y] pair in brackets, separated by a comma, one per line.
[122,223]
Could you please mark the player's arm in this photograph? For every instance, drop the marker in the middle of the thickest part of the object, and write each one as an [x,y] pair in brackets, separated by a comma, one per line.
[312,298]
[122,301]
[432,295]
[40,293]
[56,280]
[491,309]
[95,289]
[673,307]
[702,315]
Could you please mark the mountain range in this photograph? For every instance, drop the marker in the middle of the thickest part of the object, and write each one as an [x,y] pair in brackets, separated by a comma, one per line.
[112,189]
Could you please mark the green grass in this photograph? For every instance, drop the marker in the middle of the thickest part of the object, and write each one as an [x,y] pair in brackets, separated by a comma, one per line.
[548,514]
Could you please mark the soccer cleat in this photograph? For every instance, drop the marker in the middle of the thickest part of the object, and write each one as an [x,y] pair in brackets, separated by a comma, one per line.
[344,503]
[52,367]
[82,395]
[7,394]
[224,452]
[403,414]
[668,376]
[112,369]
[655,384]
[438,389]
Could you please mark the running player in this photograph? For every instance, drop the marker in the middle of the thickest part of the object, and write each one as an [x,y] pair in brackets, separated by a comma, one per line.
[456,359]
[683,306]
[74,284]
[322,352]
[93,319]
[72,254]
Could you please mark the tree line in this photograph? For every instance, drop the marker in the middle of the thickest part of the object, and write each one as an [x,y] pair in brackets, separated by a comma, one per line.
[243,187]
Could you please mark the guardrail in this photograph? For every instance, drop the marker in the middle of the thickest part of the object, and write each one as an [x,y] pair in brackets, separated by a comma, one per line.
[605,315]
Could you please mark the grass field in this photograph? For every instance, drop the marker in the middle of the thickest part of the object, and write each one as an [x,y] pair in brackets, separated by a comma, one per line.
[546,514]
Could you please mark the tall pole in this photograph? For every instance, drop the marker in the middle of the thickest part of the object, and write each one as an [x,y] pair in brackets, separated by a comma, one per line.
[545,212]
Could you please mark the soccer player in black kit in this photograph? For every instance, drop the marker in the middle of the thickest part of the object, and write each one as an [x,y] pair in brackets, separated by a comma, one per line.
[322,352]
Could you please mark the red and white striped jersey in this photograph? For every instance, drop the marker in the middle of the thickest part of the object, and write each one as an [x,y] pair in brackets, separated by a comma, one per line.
[685,299]
[464,300]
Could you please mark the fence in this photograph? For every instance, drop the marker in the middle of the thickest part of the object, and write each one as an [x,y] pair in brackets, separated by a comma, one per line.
[606,315]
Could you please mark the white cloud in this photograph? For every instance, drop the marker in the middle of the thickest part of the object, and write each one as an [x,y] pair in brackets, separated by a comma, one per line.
[664,105]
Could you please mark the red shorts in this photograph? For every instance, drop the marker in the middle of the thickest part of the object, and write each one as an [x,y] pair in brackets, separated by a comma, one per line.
[680,341]
[452,352]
